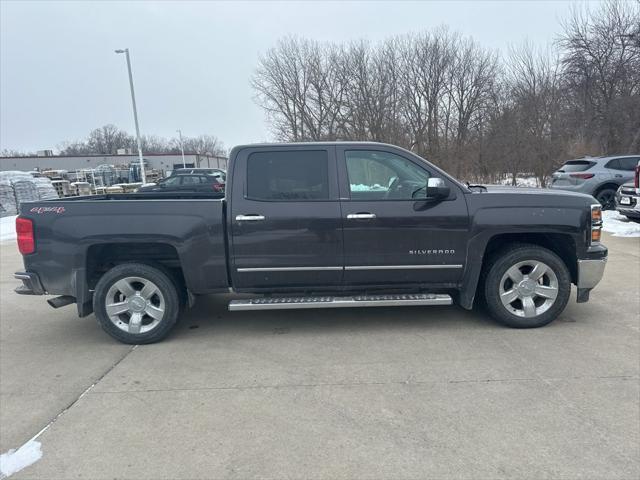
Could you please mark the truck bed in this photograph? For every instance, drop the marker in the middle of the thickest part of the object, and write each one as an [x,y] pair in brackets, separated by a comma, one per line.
[80,232]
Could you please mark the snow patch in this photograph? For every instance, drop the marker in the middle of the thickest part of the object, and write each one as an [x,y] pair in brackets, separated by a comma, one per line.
[359,187]
[15,460]
[619,225]
[8,228]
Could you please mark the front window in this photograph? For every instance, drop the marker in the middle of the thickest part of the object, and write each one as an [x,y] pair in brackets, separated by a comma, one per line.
[375,175]
[171,181]
[628,163]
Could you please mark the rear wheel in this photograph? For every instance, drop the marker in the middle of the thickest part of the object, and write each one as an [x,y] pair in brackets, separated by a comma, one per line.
[607,198]
[527,286]
[136,303]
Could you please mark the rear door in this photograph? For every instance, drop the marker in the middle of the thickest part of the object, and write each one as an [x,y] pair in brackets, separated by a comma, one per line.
[391,234]
[285,219]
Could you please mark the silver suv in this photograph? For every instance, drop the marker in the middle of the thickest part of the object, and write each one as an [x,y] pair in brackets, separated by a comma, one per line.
[598,176]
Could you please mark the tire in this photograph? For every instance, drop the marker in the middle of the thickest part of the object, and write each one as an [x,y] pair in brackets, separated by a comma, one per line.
[607,198]
[140,293]
[533,302]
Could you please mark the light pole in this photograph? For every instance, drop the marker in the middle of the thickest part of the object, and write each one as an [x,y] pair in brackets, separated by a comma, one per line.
[143,177]
[184,164]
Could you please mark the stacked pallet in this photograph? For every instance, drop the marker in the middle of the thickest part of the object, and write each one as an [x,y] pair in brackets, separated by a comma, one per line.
[17,187]
[46,190]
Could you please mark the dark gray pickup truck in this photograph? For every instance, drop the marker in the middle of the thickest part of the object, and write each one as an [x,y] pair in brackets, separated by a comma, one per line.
[314,225]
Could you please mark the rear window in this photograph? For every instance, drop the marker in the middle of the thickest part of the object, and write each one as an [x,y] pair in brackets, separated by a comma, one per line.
[576,166]
[291,175]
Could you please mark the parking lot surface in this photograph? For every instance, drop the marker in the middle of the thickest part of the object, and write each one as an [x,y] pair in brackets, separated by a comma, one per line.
[365,393]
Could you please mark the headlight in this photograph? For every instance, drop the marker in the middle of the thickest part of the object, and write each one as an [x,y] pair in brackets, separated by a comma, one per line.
[596,223]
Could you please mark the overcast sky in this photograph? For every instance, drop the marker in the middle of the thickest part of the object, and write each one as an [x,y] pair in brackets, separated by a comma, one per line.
[192,60]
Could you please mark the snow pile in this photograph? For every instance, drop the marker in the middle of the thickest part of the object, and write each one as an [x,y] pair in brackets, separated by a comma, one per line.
[8,228]
[619,225]
[521,181]
[15,460]
[359,187]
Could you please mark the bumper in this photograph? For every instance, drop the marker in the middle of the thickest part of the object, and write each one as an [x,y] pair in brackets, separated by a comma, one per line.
[631,210]
[590,272]
[581,188]
[30,284]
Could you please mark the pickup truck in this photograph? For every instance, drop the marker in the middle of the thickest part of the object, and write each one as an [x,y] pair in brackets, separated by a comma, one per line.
[314,225]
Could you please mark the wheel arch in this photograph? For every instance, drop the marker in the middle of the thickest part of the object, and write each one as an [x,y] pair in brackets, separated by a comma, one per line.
[562,244]
[603,186]
[101,257]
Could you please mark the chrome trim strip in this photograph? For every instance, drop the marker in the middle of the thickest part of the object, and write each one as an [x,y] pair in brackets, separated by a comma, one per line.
[340,302]
[399,267]
[249,218]
[289,269]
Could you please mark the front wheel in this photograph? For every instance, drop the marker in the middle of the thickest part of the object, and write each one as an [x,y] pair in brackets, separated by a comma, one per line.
[527,286]
[136,303]
[607,198]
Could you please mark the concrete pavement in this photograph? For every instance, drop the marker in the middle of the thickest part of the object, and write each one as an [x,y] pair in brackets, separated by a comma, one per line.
[368,393]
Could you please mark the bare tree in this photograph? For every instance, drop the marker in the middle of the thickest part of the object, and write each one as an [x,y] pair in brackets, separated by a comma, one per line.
[202,145]
[461,105]
[601,59]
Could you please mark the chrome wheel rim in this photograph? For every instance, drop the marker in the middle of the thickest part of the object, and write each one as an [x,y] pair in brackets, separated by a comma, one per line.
[529,288]
[135,305]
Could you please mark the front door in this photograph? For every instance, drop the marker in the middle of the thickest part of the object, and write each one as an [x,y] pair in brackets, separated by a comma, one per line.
[393,235]
[285,220]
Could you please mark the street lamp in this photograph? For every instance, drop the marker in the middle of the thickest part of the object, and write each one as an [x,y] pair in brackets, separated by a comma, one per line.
[184,164]
[143,177]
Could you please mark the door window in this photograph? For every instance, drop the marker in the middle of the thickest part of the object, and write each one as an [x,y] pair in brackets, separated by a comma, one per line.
[288,176]
[376,175]
[628,163]
[172,181]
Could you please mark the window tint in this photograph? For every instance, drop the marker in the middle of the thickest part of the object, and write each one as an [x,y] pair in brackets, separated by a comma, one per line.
[293,175]
[375,175]
[628,163]
[576,166]
[615,164]
[172,181]
[190,180]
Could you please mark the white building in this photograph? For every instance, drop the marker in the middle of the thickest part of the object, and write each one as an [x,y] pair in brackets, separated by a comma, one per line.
[159,161]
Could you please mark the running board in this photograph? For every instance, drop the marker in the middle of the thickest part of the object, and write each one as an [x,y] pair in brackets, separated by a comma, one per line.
[282,303]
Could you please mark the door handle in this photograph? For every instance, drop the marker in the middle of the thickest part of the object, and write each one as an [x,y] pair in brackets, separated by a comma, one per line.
[361,216]
[249,218]
[618,175]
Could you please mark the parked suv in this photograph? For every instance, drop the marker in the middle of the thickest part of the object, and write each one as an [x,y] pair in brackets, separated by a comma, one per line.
[186,183]
[216,172]
[599,176]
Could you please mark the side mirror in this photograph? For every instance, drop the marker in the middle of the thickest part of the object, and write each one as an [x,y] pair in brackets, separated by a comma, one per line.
[437,189]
